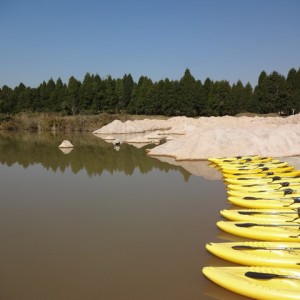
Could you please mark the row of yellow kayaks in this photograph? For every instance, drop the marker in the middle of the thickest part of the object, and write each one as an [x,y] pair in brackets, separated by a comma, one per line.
[267,193]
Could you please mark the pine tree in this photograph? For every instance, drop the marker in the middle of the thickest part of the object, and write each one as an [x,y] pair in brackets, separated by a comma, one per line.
[258,98]
[189,92]
[128,85]
[207,90]
[58,95]
[71,101]
[140,95]
[169,97]
[6,100]
[240,97]
[86,93]
[19,97]
[293,86]
[50,87]
[97,105]
[110,100]
[219,98]
[276,94]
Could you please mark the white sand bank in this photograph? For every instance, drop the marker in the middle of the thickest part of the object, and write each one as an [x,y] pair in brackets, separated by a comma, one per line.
[193,140]
[198,139]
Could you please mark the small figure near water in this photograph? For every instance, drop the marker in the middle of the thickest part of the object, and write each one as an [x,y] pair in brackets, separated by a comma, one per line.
[117,142]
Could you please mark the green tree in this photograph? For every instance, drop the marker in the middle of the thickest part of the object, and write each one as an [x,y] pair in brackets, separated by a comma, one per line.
[71,101]
[259,94]
[219,98]
[127,87]
[97,104]
[169,97]
[86,93]
[41,96]
[50,87]
[293,86]
[189,91]
[247,97]
[26,100]
[118,95]
[276,94]
[109,103]
[7,102]
[58,95]
[153,100]
[207,90]
[19,97]
[240,97]
[140,95]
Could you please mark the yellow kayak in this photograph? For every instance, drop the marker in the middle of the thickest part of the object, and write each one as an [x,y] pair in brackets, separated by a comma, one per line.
[257,282]
[258,170]
[258,202]
[287,232]
[262,215]
[237,167]
[218,160]
[263,186]
[262,180]
[268,174]
[286,193]
[266,160]
[258,253]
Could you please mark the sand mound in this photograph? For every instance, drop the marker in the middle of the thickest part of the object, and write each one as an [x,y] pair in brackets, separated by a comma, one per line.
[205,137]
[66,144]
[132,126]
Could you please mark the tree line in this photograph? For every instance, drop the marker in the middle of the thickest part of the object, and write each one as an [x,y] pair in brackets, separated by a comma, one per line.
[274,93]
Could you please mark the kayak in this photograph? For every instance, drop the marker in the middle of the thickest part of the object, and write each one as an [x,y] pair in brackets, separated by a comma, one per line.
[263,186]
[286,193]
[257,282]
[262,215]
[258,253]
[237,163]
[287,232]
[259,202]
[267,180]
[273,164]
[246,158]
[258,170]
[291,173]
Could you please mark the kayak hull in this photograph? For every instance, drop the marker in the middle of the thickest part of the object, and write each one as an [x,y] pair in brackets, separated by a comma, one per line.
[256,165]
[271,187]
[246,158]
[268,180]
[264,194]
[258,253]
[262,175]
[235,280]
[282,232]
[264,203]
[262,215]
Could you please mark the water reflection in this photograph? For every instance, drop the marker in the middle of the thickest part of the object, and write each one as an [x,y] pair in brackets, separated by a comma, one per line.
[89,153]
[68,233]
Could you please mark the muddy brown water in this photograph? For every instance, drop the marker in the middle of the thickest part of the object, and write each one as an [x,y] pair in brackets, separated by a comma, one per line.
[103,223]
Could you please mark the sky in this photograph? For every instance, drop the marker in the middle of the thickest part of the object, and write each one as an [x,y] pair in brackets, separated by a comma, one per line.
[217,39]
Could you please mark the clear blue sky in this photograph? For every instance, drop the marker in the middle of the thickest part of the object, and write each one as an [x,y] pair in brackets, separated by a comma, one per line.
[219,39]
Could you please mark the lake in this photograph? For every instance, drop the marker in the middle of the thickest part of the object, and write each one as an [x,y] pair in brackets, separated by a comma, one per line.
[103,223]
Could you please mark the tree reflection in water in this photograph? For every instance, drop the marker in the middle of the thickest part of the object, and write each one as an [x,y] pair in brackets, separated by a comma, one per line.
[90,153]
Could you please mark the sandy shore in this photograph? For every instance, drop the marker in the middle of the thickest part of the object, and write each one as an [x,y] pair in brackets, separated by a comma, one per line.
[189,141]
[198,139]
